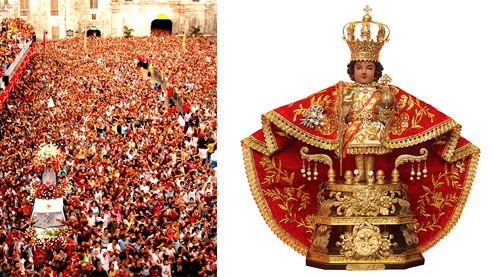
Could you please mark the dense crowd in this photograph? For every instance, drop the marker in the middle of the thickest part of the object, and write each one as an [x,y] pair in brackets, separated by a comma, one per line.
[193,76]
[160,32]
[142,169]
[14,36]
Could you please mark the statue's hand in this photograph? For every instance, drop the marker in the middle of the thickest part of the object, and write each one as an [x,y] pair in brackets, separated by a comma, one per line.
[385,115]
[346,108]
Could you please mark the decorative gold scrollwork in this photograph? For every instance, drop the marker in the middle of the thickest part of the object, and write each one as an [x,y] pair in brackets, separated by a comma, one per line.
[315,157]
[366,241]
[410,235]
[411,158]
[367,201]
[319,158]
[325,207]
[322,238]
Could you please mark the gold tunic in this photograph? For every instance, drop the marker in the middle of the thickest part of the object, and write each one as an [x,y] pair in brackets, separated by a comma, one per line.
[364,129]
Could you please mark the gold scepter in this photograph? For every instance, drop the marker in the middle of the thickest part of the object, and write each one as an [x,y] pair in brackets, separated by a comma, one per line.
[340,130]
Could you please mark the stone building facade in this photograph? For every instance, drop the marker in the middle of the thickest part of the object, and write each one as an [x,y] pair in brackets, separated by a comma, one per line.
[65,18]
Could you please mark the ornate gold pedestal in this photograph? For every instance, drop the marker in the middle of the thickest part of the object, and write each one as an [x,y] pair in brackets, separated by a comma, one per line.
[364,227]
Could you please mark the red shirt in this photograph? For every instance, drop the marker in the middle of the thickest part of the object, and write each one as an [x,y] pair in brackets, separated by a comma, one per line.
[26,210]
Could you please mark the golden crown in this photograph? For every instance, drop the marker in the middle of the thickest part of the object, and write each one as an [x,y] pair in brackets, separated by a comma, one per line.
[365,48]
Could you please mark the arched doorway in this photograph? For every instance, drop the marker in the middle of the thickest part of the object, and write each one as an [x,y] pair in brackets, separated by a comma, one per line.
[93,32]
[161,26]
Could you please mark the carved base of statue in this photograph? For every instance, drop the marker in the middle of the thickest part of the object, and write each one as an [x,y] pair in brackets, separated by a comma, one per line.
[364,225]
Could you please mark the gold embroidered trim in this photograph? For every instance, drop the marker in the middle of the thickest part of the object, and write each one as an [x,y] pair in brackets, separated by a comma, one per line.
[464,151]
[367,149]
[433,132]
[268,135]
[298,133]
[256,144]
[329,144]
[469,178]
[452,143]
[264,209]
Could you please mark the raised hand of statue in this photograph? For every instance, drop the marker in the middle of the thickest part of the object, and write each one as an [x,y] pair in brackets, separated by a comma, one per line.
[386,101]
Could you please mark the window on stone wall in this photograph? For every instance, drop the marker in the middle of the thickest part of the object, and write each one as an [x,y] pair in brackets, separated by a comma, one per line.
[55,31]
[93,4]
[54,7]
[24,7]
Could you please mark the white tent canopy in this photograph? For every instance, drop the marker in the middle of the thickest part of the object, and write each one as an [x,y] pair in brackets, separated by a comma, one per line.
[48,206]
[45,213]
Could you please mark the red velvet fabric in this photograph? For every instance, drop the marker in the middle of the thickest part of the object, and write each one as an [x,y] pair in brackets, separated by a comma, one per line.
[436,201]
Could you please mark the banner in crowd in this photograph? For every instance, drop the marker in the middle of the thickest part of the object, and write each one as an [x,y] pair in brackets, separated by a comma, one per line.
[4,96]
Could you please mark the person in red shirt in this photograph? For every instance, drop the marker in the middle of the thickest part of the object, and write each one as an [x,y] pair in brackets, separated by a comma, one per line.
[170,94]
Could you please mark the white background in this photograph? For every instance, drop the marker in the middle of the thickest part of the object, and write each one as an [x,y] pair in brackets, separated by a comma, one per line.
[274,52]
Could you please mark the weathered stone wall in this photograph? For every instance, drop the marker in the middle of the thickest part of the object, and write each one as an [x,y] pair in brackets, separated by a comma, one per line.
[112,15]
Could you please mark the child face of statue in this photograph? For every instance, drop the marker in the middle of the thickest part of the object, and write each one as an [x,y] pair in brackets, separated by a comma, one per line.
[364,72]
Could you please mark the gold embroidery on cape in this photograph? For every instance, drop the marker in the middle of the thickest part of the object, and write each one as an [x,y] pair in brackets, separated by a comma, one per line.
[316,93]
[260,200]
[401,122]
[290,197]
[438,199]
[329,118]
[324,102]
[440,140]
[469,178]
[330,126]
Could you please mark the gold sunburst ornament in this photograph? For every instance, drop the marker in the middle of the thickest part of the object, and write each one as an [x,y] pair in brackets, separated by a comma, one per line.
[366,241]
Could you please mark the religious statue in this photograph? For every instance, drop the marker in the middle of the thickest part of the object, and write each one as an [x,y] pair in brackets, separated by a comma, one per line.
[359,218]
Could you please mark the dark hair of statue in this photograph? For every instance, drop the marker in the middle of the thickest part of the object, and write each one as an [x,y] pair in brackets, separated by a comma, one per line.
[378,70]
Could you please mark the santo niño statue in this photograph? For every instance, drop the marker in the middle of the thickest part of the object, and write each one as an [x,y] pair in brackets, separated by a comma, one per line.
[361,174]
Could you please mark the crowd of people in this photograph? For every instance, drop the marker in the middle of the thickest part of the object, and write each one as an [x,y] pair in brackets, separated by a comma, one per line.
[14,36]
[142,168]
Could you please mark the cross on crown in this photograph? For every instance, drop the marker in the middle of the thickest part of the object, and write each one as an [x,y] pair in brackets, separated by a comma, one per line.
[367,9]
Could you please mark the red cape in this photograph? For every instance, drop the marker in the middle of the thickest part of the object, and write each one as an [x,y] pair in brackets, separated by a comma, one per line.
[287,201]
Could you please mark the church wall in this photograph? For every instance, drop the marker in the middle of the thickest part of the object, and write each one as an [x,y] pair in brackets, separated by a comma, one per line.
[112,15]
